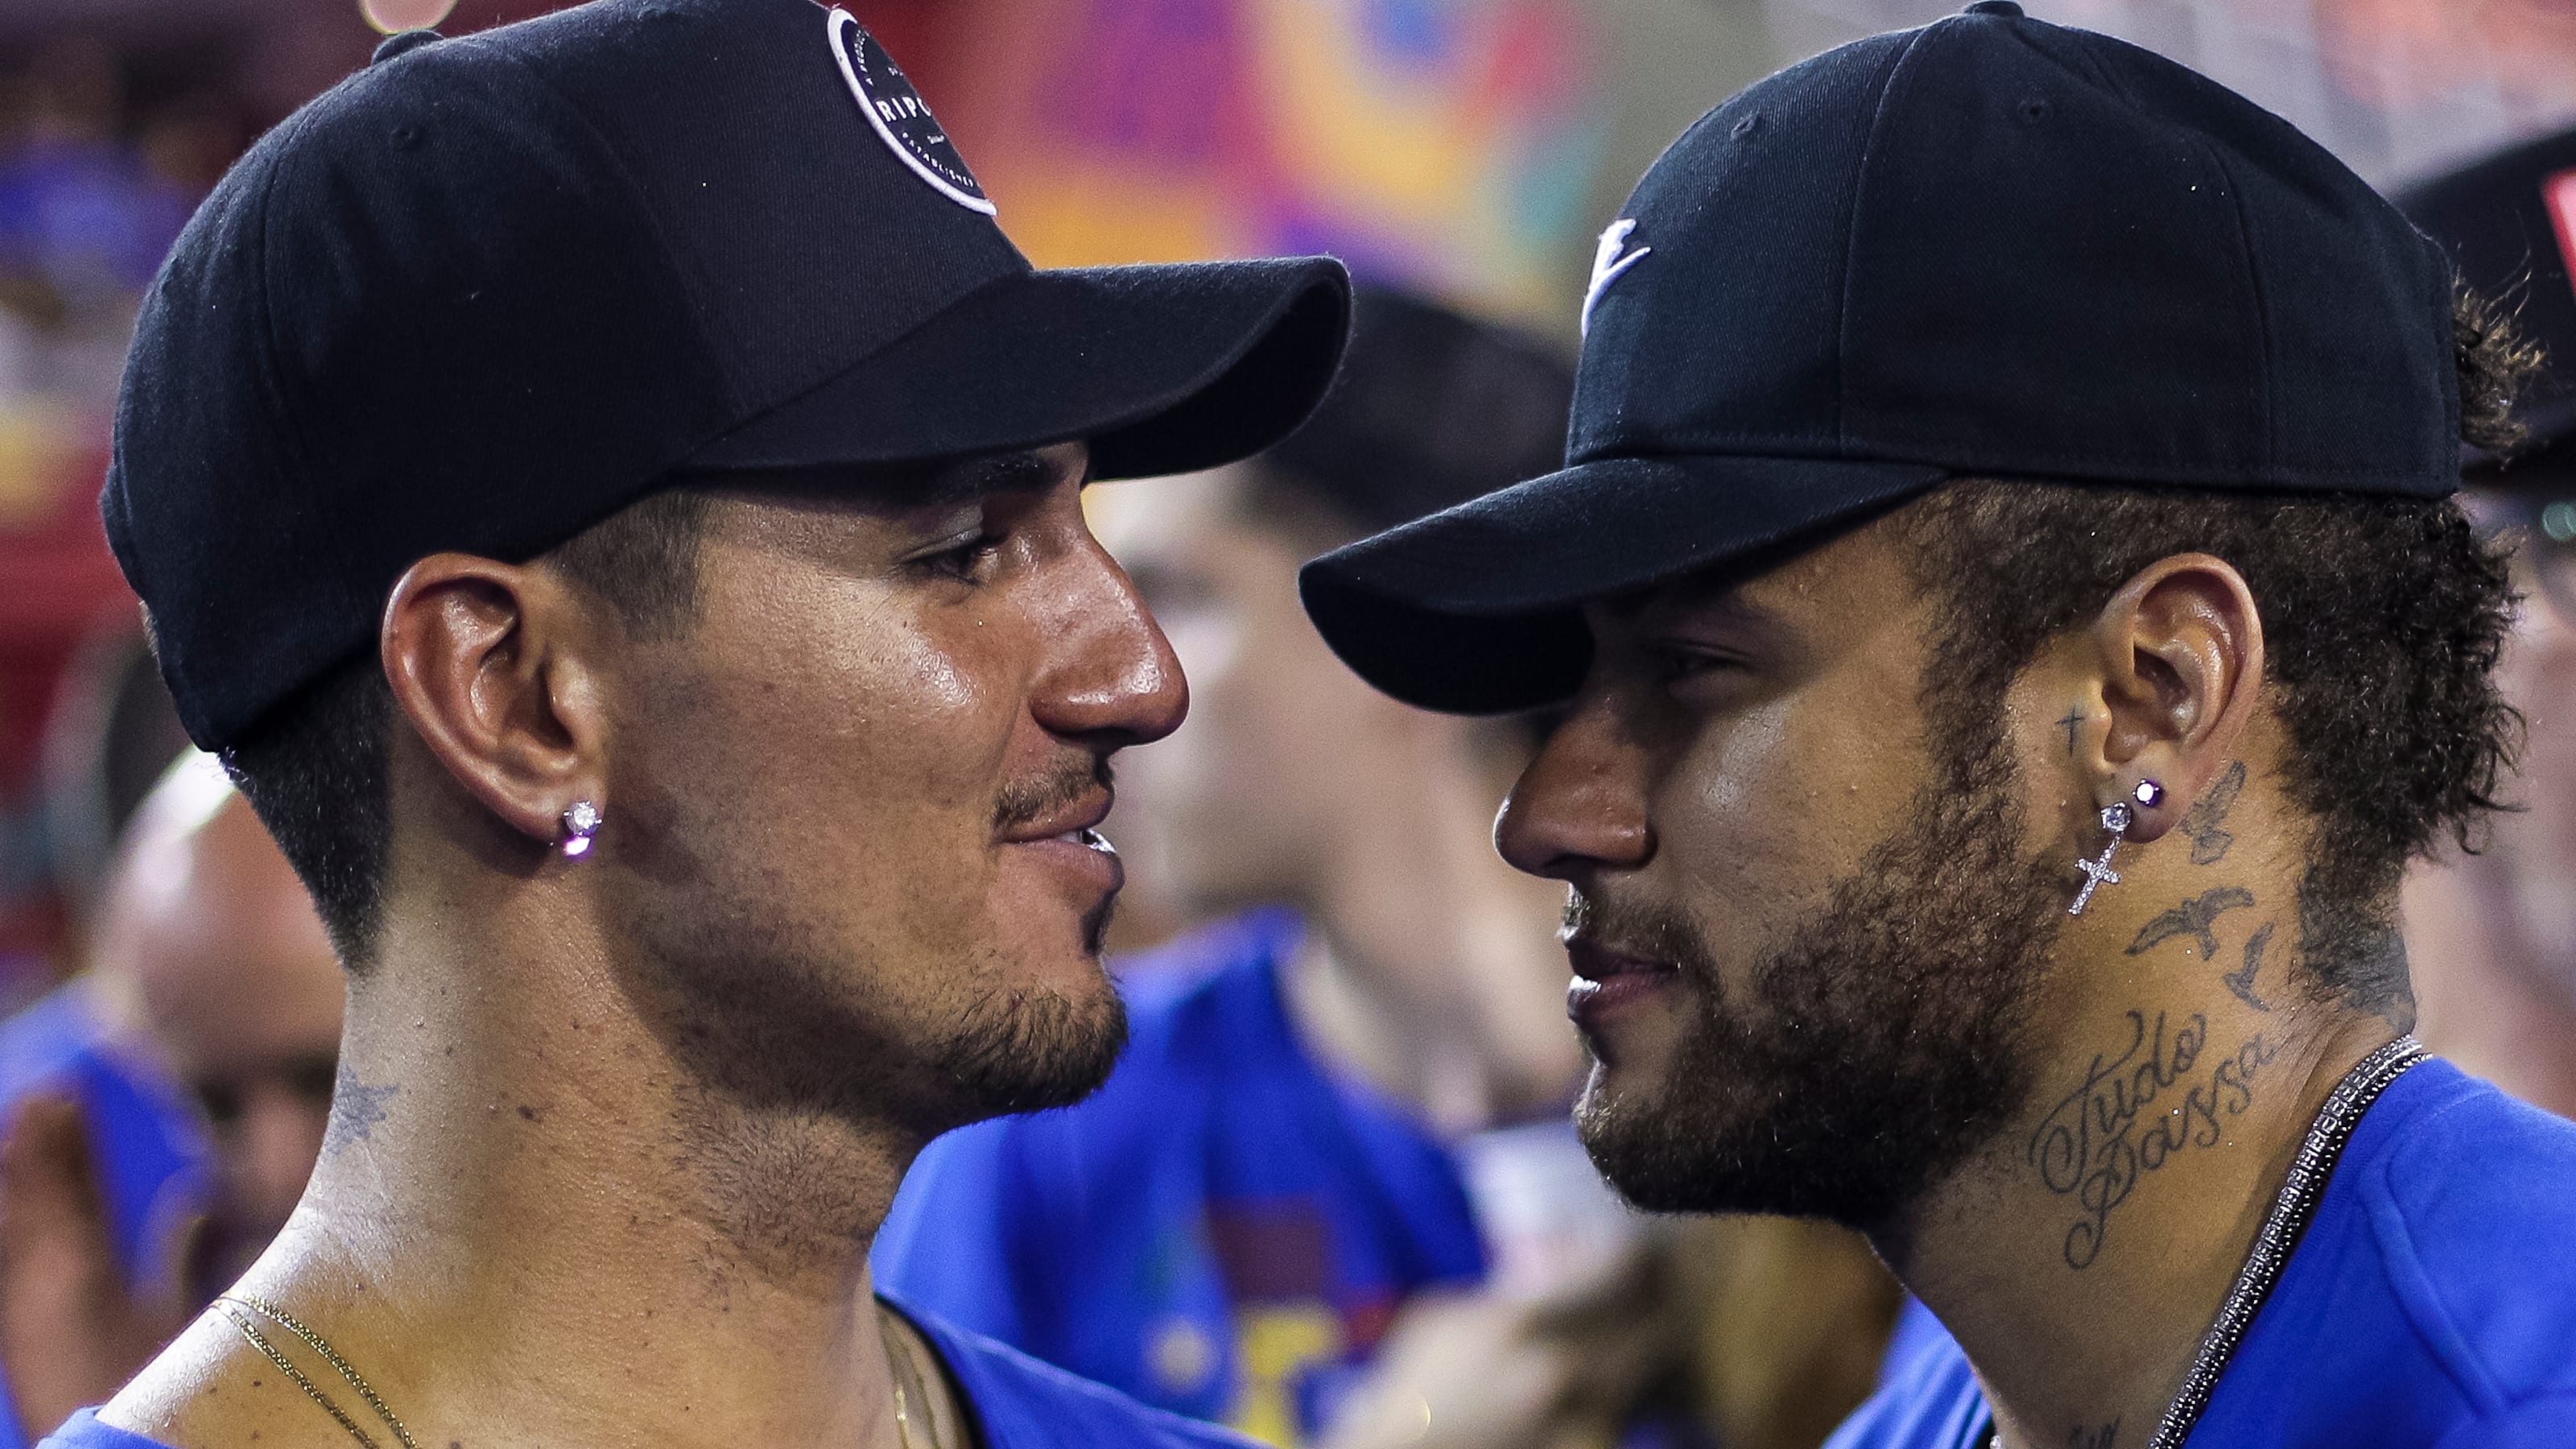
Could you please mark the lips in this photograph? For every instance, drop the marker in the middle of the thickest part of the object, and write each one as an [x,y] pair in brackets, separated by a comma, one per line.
[1069,841]
[1607,980]
[1076,822]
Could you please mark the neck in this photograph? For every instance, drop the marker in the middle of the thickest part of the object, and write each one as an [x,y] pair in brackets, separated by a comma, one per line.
[1430,969]
[2082,1256]
[526,1209]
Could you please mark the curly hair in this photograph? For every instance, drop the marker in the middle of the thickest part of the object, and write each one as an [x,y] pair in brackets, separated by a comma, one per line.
[2383,618]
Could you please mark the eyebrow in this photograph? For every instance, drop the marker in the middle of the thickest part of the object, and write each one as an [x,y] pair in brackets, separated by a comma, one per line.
[941,484]
[1004,473]
[1716,601]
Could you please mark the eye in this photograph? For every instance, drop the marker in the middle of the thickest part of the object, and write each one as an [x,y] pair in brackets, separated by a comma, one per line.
[967,560]
[1676,662]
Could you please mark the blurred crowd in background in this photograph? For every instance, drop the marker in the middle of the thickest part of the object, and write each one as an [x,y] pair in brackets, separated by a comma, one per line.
[1457,152]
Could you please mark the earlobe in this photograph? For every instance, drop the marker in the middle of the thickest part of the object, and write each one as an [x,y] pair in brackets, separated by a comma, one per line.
[483,660]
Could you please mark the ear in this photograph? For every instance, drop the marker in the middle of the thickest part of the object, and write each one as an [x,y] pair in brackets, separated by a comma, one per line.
[2180,649]
[487,660]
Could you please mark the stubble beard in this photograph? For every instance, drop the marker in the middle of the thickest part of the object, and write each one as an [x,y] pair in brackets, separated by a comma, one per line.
[1881,1045]
[803,1073]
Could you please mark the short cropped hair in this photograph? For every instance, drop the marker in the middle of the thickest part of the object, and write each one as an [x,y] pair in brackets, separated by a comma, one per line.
[315,769]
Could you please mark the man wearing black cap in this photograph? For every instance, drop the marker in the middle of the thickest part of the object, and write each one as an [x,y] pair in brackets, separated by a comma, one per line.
[2499,989]
[611,495]
[2015,633]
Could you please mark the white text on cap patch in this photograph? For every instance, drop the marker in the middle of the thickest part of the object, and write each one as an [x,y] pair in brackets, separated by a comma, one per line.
[895,111]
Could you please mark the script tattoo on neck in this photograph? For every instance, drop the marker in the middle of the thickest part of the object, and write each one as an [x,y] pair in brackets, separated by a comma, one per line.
[2094,1145]
[2203,821]
[2105,1436]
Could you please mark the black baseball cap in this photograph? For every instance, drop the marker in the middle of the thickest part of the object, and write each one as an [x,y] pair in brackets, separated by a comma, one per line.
[493,288]
[1988,247]
[2509,222]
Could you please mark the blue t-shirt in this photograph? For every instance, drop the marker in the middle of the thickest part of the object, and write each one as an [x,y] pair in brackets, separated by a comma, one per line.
[1225,1230]
[1015,1402]
[150,1155]
[2430,1305]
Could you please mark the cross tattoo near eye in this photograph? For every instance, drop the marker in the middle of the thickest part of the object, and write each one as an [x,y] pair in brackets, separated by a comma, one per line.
[2074,721]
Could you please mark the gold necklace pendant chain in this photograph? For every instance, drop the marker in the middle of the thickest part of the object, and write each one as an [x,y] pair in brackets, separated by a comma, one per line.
[897,1339]
[233,1306]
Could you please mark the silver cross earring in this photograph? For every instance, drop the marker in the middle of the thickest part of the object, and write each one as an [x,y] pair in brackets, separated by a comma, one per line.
[2117,817]
[581,822]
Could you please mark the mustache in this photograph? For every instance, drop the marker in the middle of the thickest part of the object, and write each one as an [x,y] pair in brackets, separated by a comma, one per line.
[1635,928]
[1026,802]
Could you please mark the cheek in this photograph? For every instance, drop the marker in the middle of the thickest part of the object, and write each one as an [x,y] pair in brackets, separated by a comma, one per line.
[1767,810]
[844,770]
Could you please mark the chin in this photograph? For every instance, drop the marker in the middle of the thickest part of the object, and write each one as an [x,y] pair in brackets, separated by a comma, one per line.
[1028,1051]
[1728,1148]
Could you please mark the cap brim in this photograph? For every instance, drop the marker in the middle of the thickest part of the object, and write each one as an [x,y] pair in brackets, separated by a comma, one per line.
[1477,610]
[1163,369]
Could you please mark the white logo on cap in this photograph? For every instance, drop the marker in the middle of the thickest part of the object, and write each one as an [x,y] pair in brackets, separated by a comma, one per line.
[1607,264]
[896,113]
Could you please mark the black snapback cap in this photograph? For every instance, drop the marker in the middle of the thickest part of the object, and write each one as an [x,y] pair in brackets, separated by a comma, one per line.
[2509,222]
[493,288]
[1988,247]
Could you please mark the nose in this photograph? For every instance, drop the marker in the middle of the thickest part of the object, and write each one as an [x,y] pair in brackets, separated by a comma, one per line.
[1110,678]
[1580,807]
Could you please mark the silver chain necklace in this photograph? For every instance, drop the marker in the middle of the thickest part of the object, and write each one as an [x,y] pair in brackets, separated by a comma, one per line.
[2282,1227]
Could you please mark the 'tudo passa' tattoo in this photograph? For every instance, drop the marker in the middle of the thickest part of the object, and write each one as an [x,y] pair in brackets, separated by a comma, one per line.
[2125,1120]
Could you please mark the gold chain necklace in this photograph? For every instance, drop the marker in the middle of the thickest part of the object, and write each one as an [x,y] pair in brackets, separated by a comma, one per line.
[239,1307]
[909,1386]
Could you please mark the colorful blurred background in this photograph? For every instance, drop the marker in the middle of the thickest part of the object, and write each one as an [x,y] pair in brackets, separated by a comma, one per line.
[1467,148]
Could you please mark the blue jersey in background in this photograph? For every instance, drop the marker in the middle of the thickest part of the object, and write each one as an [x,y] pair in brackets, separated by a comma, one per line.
[1226,1230]
[144,1141]
[2430,1305]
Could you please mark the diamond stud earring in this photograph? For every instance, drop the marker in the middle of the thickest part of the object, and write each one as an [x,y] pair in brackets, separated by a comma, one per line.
[581,821]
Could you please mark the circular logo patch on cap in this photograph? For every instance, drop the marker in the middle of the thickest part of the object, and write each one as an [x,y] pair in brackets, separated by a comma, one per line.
[896,112]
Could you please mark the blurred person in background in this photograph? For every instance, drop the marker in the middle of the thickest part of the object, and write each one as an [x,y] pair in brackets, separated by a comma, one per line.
[1342,1127]
[212,986]
[2493,933]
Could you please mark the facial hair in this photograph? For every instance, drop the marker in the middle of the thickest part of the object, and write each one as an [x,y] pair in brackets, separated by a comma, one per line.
[766,1017]
[1880,1044]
